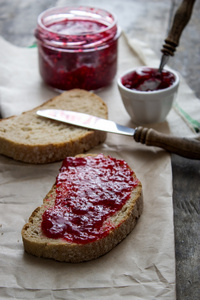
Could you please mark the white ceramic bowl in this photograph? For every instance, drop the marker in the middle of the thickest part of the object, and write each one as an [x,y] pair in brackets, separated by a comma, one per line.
[145,107]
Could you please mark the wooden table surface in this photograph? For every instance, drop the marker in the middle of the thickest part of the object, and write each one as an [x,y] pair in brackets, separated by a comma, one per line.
[147,20]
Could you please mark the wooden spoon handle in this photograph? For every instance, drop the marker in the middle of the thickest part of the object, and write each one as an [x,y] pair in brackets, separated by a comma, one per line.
[181,19]
[186,147]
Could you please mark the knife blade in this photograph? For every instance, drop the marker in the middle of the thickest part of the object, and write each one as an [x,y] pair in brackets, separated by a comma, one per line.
[186,147]
[86,121]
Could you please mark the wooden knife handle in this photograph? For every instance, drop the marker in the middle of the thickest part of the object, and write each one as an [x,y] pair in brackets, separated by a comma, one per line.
[186,147]
[181,18]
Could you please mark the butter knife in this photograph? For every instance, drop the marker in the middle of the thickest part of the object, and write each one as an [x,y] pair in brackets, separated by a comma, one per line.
[186,147]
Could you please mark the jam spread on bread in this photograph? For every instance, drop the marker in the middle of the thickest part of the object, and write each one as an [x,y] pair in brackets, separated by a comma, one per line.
[88,191]
[148,79]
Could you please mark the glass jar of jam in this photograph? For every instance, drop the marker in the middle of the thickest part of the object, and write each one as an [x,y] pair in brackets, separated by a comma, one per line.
[77,47]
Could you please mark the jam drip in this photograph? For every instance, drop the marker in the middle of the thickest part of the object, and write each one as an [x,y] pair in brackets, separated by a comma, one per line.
[148,79]
[89,190]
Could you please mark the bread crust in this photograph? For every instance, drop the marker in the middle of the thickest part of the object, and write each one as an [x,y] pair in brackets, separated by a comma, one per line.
[33,139]
[39,245]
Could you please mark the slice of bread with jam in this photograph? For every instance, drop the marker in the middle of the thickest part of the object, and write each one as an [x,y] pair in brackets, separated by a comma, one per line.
[93,205]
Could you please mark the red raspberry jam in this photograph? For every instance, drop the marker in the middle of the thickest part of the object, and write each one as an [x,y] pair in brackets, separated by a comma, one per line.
[148,79]
[77,47]
[89,190]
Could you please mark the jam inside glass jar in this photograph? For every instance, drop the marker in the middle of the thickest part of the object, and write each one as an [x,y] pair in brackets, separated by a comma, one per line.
[77,47]
[148,79]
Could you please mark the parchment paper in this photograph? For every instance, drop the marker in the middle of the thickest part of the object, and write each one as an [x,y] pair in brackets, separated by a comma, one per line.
[143,265]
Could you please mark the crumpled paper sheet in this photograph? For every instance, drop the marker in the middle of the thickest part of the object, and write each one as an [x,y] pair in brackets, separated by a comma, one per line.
[143,265]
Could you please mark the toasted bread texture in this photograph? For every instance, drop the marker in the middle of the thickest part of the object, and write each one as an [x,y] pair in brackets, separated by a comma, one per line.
[37,140]
[124,220]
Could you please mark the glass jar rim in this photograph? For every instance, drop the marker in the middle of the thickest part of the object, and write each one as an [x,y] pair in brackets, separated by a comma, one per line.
[102,36]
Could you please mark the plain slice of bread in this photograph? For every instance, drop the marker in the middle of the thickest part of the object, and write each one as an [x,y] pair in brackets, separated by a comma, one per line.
[36,243]
[33,139]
